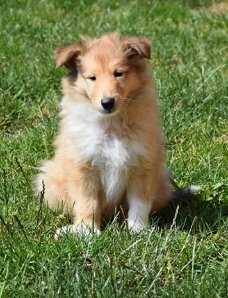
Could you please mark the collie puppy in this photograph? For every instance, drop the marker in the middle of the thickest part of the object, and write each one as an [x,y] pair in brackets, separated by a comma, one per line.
[109,151]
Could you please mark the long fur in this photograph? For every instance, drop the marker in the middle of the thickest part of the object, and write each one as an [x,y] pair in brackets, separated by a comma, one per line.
[105,161]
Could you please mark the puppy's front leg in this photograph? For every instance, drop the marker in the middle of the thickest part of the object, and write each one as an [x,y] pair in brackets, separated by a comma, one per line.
[86,209]
[139,197]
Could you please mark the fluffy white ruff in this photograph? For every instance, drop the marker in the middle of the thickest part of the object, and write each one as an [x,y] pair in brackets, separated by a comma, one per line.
[108,152]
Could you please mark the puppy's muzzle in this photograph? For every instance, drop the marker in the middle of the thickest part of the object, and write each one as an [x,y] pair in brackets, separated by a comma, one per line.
[108,104]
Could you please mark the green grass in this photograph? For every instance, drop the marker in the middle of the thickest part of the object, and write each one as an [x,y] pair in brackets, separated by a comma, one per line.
[184,253]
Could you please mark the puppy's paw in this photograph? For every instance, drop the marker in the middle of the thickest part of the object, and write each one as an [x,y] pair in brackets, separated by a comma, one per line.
[136,226]
[75,230]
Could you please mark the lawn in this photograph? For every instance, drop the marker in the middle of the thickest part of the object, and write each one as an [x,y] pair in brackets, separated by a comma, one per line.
[184,252]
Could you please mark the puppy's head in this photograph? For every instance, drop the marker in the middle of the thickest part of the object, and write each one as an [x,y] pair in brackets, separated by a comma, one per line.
[109,71]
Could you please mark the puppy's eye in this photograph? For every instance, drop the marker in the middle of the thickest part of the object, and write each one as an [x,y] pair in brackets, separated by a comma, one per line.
[92,78]
[118,74]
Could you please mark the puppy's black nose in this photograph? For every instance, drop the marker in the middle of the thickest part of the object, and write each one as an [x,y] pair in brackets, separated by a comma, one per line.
[108,103]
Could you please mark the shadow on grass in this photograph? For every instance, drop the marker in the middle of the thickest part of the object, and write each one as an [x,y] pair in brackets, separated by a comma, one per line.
[195,213]
[195,4]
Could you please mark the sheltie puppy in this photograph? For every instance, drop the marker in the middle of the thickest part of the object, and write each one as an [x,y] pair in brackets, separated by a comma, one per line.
[109,151]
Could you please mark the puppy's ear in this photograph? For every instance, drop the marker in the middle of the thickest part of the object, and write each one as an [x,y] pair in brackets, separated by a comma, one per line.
[67,56]
[85,40]
[137,46]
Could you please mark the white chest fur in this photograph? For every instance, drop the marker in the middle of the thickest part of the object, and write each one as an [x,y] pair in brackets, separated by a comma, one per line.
[113,159]
[106,149]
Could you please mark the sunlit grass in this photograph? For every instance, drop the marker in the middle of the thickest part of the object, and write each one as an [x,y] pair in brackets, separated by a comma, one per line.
[184,251]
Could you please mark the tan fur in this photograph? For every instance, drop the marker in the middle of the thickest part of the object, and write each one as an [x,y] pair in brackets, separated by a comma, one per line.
[75,181]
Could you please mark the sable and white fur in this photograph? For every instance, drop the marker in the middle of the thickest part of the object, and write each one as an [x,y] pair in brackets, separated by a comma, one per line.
[104,161]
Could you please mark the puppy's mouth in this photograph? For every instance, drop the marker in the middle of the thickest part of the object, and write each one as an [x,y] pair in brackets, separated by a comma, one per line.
[109,112]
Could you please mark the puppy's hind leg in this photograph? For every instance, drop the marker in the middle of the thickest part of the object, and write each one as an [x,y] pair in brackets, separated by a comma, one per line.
[51,183]
[163,193]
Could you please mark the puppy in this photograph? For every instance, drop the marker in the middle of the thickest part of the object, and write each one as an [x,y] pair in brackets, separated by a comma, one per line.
[109,150]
